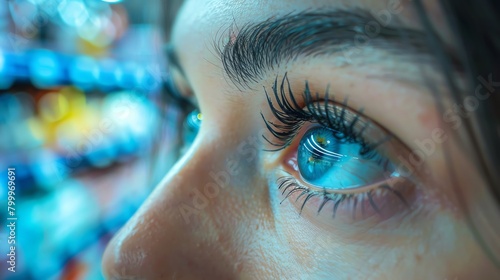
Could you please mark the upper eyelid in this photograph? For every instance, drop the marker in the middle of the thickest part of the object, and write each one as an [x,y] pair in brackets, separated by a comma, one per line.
[291,115]
[359,127]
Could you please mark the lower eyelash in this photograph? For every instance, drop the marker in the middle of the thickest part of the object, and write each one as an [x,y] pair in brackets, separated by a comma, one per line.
[289,185]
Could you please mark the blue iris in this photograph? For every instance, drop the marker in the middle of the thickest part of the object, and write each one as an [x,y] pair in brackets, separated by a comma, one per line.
[326,160]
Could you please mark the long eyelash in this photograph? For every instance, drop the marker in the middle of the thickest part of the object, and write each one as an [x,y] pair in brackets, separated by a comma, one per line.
[291,116]
[289,185]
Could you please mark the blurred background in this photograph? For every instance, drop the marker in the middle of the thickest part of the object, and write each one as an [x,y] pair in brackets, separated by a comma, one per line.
[82,117]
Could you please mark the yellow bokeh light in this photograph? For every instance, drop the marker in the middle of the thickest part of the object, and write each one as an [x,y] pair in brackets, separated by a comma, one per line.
[53,107]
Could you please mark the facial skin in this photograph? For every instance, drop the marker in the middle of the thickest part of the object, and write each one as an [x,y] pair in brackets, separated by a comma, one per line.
[217,213]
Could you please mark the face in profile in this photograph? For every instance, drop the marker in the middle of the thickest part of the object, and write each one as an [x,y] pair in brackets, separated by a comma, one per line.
[329,148]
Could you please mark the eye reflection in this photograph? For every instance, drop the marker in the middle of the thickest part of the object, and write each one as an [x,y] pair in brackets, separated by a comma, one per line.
[325,159]
[191,126]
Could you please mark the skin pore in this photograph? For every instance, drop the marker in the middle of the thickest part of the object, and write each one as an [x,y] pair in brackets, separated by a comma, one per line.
[219,212]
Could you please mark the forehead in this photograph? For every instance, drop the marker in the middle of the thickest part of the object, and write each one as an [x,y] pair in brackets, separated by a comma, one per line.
[207,17]
[199,20]
[202,23]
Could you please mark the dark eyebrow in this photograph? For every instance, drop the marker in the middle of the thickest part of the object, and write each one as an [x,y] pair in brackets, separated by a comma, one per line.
[255,48]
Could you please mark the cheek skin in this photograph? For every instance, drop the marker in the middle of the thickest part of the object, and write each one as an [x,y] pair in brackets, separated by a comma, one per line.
[406,251]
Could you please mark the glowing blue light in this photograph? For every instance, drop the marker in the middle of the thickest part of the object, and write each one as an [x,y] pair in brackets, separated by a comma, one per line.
[45,69]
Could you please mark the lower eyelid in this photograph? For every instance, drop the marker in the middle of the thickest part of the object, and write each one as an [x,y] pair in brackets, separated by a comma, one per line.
[392,197]
[291,166]
[378,205]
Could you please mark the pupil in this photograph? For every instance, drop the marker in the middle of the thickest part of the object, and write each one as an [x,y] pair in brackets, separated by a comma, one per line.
[317,152]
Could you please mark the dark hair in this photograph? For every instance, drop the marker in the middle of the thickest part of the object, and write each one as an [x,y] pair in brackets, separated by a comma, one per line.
[475,27]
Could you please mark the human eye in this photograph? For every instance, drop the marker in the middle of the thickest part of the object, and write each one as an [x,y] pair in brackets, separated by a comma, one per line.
[190,128]
[333,157]
[179,94]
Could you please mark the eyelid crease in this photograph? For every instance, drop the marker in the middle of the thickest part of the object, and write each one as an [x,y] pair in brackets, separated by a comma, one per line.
[291,116]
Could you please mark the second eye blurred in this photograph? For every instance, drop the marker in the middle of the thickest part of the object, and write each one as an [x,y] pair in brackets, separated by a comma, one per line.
[190,129]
